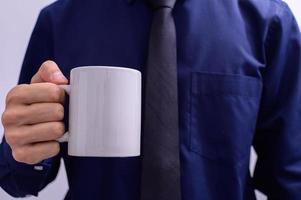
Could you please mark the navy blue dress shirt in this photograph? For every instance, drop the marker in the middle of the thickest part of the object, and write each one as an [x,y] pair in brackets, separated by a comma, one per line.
[239,71]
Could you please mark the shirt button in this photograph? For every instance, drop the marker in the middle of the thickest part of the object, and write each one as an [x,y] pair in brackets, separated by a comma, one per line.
[38,167]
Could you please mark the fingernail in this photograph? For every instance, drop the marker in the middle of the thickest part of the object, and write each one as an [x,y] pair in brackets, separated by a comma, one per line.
[58,76]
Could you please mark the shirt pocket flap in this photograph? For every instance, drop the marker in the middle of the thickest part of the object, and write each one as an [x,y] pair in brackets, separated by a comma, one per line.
[225,84]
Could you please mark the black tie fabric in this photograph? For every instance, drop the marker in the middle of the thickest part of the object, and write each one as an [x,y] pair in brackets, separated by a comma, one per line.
[160,178]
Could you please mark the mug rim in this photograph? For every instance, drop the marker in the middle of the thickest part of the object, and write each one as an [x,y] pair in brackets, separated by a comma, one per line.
[95,67]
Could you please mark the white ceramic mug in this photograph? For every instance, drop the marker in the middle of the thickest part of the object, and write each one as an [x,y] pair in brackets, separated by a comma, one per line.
[104,112]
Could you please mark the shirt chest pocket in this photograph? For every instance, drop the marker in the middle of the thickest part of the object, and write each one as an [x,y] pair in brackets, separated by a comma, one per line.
[223,115]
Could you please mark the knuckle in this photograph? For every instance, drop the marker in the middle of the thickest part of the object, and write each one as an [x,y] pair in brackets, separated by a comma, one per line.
[45,66]
[20,155]
[12,138]
[58,129]
[16,93]
[11,96]
[20,89]
[5,118]
[11,116]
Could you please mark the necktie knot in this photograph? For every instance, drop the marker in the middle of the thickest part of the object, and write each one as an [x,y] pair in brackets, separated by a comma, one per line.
[157,4]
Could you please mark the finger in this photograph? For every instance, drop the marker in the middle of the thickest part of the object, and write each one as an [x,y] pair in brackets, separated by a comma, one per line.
[41,132]
[35,93]
[33,114]
[35,153]
[49,72]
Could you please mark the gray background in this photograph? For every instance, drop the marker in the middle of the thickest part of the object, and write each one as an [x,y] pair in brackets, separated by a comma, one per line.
[17,18]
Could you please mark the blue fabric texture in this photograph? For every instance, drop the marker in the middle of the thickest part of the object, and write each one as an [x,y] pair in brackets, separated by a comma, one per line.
[239,72]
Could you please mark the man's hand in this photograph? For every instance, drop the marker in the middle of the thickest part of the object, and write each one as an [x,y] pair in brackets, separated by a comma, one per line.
[33,116]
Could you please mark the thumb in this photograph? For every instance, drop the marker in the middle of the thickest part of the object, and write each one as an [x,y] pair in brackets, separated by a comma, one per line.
[49,72]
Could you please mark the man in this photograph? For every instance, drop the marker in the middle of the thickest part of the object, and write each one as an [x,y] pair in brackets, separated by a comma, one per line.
[239,83]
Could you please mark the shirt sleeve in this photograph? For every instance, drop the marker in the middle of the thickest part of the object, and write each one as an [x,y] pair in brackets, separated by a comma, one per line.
[19,179]
[278,133]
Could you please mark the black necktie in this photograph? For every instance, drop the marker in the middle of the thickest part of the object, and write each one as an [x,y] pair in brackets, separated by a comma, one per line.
[160,139]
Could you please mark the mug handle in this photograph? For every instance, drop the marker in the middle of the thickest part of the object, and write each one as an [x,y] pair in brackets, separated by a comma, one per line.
[65,137]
